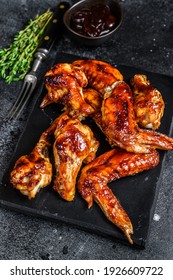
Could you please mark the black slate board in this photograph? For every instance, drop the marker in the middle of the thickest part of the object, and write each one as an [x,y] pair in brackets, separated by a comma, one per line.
[137,194]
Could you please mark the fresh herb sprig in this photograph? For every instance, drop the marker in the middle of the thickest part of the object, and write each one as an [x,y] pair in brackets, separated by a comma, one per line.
[15,61]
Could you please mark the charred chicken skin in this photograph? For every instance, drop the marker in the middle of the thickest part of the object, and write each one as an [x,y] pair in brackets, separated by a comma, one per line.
[74,144]
[110,166]
[148,103]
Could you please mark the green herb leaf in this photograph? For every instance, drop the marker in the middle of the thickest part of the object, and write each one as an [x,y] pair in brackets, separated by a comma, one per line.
[16,60]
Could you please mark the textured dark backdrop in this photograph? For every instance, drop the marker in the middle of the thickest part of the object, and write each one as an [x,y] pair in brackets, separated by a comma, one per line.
[144,40]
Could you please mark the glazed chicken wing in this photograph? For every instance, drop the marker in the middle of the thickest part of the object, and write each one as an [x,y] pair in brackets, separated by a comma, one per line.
[100,75]
[65,83]
[148,103]
[120,127]
[115,117]
[110,166]
[74,144]
[34,171]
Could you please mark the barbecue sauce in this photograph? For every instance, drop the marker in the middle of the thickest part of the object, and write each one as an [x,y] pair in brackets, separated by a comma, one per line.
[94,21]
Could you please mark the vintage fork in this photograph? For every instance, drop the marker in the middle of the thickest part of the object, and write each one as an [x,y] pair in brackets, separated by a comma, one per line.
[54,28]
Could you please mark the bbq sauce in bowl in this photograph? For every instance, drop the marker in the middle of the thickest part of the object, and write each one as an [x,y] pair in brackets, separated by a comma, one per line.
[94,21]
[91,22]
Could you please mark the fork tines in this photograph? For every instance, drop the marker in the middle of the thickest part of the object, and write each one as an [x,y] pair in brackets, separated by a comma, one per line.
[21,101]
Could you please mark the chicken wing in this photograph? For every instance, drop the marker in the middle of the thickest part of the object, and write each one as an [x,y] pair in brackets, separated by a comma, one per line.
[110,166]
[34,171]
[100,75]
[115,117]
[65,83]
[74,144]
[148,103]
[120,127]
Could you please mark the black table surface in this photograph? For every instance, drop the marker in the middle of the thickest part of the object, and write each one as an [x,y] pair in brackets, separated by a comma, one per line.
[144,40]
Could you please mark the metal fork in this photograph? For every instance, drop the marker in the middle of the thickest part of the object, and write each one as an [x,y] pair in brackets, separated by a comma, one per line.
[54,28]
[29,84]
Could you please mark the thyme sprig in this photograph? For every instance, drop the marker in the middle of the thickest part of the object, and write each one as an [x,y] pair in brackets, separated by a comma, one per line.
[15,61]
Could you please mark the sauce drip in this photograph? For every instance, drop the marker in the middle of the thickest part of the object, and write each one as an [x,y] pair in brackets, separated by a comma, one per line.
[94,21]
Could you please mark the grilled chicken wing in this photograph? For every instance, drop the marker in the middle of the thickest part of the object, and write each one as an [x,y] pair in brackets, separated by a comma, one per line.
[34,171]
[100,75]
[120,126]
[112,165]
[115,117]
[148,103]
[65,83]
[74,144]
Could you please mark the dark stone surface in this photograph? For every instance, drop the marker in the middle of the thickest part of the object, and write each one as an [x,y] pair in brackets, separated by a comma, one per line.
[144,40]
